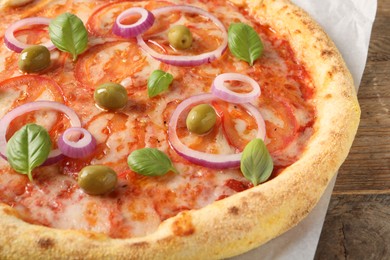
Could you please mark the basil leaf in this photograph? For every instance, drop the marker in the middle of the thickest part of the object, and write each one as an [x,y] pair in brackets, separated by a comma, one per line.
[28,148]
[256,162]
[150,162]
[158,82]
[244,42]
[68,34]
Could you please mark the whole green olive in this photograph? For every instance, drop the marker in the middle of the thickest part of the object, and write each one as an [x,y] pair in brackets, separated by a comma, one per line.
[34,58]
[110,96]
[180,37]
[201,119]
[97,179]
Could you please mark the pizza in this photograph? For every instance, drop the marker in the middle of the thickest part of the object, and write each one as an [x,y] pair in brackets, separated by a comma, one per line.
[164,129]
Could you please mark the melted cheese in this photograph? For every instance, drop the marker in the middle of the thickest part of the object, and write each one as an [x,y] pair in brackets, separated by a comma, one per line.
[139,204]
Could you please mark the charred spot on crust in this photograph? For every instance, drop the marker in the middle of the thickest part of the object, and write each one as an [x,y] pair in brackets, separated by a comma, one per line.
[183,226]
[234,211]
[45,243]
[327,53]
[141,244]
[11,212]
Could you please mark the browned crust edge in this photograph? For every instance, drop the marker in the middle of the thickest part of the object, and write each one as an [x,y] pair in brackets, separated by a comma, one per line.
[246,220]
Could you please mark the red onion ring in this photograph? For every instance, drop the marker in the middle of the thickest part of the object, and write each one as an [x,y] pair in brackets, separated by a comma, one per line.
[132,30]
[215,161]
[221,91]
[77,149]
[187,60]
[55,154]
[17,46]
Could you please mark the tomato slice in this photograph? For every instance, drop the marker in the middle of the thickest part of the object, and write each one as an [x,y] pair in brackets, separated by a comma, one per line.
[104,126]
[34,35]
[109,12]
[283,129]
[229,117]
[205,33]
[109,62]
[27,88]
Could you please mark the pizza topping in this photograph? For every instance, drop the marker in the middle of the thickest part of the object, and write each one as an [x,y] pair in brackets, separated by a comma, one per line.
[34,58]
[244,42]
[97,179]
[76,142]
[28,148]
[216,161]
[110,96]
[158,82]
[220,89]
[187,60]
[180,37]
[132,30]
[14,44]
[69,34]
[201,119]
[256,162]
[150,162]
[55,154]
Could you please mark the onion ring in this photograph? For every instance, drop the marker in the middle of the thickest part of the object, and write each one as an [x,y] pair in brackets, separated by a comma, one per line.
[17,46]
[187,60]
[221,91]
[132,30]
[76,149]
[215,161]
[55,154]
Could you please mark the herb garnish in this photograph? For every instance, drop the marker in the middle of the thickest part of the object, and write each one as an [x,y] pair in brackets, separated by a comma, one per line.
[158,82]
[28,148]
[256,162]
[150,162]
[68,34]
[244,42]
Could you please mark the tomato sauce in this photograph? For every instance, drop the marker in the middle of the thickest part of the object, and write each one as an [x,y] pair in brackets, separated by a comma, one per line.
[139,203]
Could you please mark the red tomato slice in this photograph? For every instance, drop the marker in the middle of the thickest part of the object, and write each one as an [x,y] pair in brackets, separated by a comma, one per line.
[28,88]
[109,62]
[114,123]
[109,12]
[34,35]
[280,136]
[233,137]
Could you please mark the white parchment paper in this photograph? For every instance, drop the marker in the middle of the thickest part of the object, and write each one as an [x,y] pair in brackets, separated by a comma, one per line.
[348,23]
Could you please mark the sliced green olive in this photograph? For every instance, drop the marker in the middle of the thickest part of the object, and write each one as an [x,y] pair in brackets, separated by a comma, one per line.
[180,37]
[97,179]
[110,96]
[34,59]
[201,119]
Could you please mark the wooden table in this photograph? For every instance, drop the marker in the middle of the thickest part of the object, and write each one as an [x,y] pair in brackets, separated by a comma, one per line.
[357,225]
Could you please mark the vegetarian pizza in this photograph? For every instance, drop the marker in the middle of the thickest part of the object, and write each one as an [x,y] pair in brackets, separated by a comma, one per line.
[164,129]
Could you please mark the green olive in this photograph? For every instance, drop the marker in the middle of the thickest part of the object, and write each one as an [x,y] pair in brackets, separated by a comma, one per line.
[201,119]
[97,179]
[180,37]
[34,58]
[110,96]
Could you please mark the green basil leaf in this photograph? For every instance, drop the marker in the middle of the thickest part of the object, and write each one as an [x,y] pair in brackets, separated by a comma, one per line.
[150,162]
[158,82]
[244,42]
[69,34]
[28,148]
[256,162]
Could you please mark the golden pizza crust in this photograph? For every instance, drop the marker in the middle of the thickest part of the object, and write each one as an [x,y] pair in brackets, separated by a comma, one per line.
[246,220]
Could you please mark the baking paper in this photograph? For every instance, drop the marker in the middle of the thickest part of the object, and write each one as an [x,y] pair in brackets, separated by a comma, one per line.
[348,23]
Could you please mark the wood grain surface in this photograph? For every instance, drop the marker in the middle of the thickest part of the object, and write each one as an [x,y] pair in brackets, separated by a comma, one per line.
[357,225]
